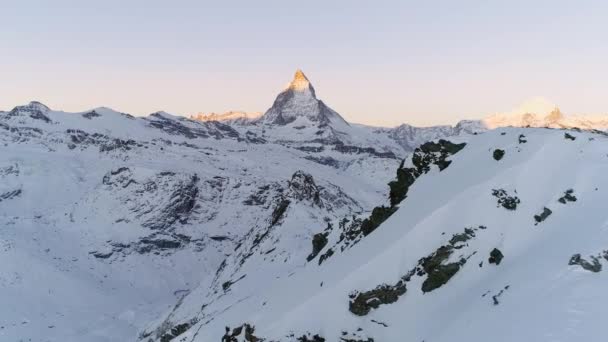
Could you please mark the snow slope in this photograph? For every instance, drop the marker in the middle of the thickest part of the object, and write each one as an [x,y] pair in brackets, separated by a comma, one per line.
[537,287]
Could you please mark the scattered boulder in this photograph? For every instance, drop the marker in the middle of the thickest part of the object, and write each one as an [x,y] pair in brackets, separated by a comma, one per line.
[495,256]
[498,154]
[542,216]
[568,197]
[504,200]
[568,136]
[522,139]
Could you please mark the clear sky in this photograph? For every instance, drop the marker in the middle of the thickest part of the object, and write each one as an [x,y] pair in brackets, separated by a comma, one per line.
[375,62]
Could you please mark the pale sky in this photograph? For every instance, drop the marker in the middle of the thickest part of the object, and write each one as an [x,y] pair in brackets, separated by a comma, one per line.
[375,62]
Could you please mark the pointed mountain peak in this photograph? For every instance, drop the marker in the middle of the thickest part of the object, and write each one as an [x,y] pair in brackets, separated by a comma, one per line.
[300,101]
[300,82]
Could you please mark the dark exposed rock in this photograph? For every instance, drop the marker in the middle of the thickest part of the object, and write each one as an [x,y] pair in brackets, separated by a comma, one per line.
[308,338]
[226,285]
[279,210]
[568,197]
[219,238]
[262,194]
[522,139]
[361,303]
[496,296]
[504,200]
[175,332]
[495,256]
[593,266]
[498,154]
[118,144]
[440,276]
[10,194]
[326,255]
[10,170]
[379,215]
[542,216]
[179,208]
[102,255]
[319,241]
[341,147]
[302,187]
[90,115]
[252,138]
[149,244]
[325,160]
[427,154]
[568,136]
[314,149]
[468,234]
[246,329]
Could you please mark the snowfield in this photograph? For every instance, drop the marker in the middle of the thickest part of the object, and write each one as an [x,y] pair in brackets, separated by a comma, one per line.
[300,226]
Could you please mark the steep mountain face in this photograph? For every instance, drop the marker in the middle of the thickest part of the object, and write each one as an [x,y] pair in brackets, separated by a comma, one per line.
[299,101]
[477,244]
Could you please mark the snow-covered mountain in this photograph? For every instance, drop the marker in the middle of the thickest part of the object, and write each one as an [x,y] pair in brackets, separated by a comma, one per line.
[293,225]
[539,112]
[109,219]
[299,119]
[504,231]
[232,117]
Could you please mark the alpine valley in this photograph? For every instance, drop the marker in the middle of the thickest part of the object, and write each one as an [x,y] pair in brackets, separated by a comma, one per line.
[297,225]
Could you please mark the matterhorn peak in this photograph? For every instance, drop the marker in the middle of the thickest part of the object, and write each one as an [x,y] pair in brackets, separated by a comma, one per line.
[300,83]
[300,101]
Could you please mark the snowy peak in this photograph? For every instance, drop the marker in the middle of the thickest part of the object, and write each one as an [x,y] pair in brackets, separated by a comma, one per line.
[35,110]
[299,101]
[300,83]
